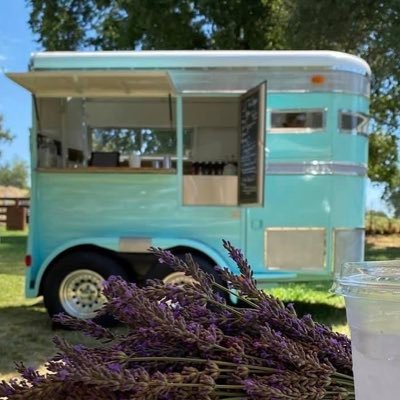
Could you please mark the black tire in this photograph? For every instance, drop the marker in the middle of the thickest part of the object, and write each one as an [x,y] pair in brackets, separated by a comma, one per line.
[73,285]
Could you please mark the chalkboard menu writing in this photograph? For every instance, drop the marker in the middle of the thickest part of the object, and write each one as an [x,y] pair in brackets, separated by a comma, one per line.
[252,128]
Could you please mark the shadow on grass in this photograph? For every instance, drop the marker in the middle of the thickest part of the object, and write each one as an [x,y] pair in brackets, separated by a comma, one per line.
[18,243]
[12,249]
[26,335]
[381,254]
[322,313]
[13,240]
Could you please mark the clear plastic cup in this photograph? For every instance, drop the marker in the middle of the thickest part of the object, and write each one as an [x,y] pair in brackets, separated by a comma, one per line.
[372,295]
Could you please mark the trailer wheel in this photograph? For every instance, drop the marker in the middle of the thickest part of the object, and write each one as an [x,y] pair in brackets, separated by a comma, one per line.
[170,276]
[74,285]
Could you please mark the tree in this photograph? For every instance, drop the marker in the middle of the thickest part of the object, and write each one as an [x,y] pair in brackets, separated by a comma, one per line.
[14,174]
[368,28]
[157,24]
[145,141]
[393,198]
[5,135]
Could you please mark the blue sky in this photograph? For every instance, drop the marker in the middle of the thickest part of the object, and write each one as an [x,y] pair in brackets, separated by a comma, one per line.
[16,44]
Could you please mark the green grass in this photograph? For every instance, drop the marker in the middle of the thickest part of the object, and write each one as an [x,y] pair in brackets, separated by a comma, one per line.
[315,299]
[26,330]
[325,307]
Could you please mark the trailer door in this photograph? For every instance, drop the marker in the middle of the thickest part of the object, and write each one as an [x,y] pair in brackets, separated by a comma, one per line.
[251,171]
[252,147]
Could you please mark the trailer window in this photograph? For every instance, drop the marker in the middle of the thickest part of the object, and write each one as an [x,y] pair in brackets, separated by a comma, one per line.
[146,141]
[351,122]
[297,121]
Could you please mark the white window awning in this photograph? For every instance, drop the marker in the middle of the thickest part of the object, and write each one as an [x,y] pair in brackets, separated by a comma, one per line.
[110,83]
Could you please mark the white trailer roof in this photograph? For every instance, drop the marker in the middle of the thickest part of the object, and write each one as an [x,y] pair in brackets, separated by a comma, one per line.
[160,73]
[330,60]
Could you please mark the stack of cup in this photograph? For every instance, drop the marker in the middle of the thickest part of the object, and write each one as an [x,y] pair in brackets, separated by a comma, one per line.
[372,295]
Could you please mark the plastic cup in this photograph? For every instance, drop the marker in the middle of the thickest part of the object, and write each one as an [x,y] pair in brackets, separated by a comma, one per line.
[372,295]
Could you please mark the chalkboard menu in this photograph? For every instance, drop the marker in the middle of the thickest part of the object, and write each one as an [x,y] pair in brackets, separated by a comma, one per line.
[251,160]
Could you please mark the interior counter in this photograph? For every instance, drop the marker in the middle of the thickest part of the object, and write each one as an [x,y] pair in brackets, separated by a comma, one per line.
[108,170]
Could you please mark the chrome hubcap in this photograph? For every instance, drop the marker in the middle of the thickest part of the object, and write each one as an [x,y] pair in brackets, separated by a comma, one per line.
[178,278]
[81,293]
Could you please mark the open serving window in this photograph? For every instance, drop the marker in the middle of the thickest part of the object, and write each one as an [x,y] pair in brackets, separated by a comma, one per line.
[228,152]
[74,108]
[90,119]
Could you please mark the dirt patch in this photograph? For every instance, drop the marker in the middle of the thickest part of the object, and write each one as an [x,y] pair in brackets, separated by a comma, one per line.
[11,191]
[383,241]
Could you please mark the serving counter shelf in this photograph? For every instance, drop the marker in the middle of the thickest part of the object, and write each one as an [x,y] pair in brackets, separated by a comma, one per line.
[108,170]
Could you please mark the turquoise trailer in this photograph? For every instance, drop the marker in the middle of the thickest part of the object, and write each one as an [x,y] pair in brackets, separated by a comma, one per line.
[181,149]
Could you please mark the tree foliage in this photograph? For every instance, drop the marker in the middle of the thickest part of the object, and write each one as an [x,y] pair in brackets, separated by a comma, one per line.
[370,29]
[5,135]
[393,197]
[14,174]
[145,141]
[158,24]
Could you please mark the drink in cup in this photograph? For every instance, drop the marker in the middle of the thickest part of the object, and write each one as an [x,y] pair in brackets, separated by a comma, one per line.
[372,295]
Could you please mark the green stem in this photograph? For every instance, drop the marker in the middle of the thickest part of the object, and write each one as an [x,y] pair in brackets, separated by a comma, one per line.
[197,361]
[344,376]
[232,309]
[221,287]
[345,382]
[236,398]
[195,385]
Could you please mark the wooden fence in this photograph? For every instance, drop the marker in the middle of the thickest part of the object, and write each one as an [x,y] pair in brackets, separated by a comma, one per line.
[6,202]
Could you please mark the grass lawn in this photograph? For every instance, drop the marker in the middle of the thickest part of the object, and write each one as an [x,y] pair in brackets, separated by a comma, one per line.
[25,328]
[26,331]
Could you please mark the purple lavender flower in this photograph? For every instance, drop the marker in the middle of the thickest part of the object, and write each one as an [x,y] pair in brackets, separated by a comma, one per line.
[186,343]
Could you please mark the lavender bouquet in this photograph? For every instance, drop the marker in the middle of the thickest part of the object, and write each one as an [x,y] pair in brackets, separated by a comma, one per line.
[187,342]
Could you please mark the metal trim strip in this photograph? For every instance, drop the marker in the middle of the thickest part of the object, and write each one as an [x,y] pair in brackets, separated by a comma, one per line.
[316,168]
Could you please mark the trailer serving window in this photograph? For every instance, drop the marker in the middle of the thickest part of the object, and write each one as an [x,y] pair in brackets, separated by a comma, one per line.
[353,122]
[297,121]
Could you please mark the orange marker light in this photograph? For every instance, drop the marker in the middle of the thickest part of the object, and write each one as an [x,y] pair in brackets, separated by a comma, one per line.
[318,79]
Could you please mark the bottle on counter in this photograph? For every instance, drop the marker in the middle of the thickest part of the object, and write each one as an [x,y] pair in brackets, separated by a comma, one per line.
[195,168]
[221,164]
[231,167]
[47,153]
[202,169]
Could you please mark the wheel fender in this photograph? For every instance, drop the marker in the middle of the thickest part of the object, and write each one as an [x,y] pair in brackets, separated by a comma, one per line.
[113,243]
[215,255]
[109,243]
